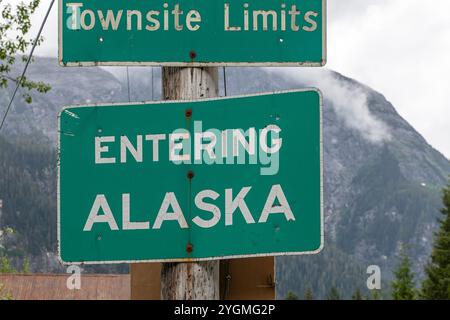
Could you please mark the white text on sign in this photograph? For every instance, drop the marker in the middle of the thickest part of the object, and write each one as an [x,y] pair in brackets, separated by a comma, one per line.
[165,18]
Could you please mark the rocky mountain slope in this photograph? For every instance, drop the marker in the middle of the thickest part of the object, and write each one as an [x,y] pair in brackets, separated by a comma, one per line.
[382,179]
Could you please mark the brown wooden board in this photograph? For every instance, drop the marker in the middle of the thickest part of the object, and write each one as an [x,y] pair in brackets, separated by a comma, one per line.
[54,287]
[145,281]
[248,279]
[240,279]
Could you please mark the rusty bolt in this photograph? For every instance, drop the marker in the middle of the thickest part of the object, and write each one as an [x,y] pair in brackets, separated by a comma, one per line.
[188,113]
[192,54]
[190,174]
[189,248]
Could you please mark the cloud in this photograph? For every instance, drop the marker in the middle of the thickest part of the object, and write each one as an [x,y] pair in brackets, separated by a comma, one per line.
[339,9]
[349,102]
[400,48]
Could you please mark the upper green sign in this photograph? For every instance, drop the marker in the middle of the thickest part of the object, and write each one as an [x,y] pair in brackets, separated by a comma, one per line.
[178,181]
[192,32]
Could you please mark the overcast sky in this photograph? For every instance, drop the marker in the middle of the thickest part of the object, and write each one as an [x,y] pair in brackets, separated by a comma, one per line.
[398,47]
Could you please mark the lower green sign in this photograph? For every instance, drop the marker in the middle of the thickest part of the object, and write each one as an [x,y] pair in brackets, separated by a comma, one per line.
[191,180]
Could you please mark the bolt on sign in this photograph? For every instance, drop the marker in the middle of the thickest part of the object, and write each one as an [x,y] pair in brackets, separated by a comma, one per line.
[192,32]
[191,180]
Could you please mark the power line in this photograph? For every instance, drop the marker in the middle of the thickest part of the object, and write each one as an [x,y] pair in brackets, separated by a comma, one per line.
[26,65]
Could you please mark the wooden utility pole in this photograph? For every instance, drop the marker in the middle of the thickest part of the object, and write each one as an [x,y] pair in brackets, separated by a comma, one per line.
[193,280]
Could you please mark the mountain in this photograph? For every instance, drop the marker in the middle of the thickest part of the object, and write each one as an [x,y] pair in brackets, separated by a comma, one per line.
[382,179]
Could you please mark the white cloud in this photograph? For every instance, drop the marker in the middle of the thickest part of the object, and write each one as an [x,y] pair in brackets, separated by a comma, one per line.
[349,102]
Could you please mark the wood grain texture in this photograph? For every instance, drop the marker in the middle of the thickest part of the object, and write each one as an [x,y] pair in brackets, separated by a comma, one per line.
[195,280]
[54,287]
[145,281]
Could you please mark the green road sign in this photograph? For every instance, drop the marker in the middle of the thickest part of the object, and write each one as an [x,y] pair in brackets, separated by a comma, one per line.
[192,32]
[182,181]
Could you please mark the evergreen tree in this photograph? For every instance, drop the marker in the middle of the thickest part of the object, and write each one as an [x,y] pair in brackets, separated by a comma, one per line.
[26,266]
[334,294]
[357,295]
[3,294]
[375,295]
[309,294]
[5,265]
[291,296]
[436,285]
[403,287]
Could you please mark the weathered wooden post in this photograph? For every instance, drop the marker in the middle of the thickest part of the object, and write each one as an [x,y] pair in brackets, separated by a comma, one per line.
[194,280]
